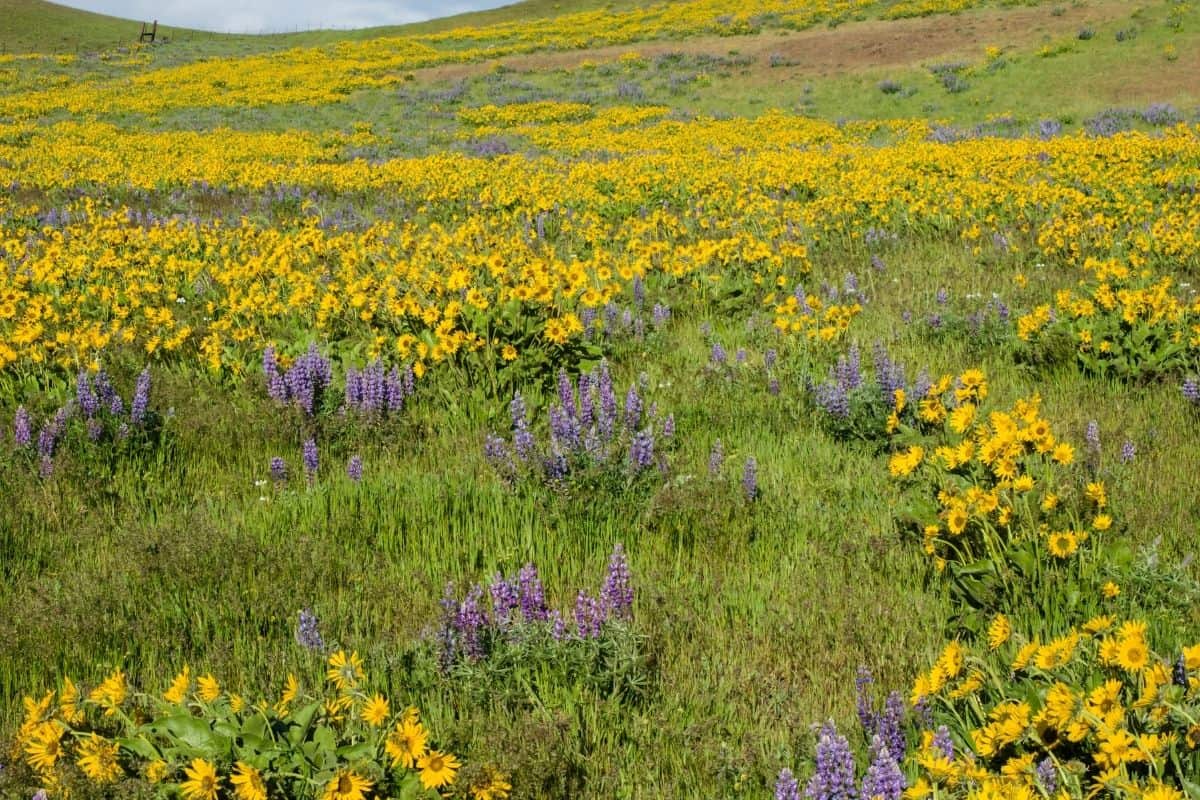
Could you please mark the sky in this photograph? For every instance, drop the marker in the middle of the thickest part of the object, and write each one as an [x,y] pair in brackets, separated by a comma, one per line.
[273,16]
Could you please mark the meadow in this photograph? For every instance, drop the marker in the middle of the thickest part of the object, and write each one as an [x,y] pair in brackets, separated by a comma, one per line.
[690,399]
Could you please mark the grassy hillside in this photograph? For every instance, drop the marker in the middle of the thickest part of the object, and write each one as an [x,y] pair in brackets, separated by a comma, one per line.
[873,342]
[37,26]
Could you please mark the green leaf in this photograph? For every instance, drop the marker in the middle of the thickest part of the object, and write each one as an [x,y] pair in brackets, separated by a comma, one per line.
[140,745]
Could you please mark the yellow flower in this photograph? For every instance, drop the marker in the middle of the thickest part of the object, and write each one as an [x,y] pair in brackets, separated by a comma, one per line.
[44,747]
[110,694]
[290,691]
[491,784]
[962,417]
[248,783]
[1102,522]
[179,687]
[999,631]
[376,711]
[903,463]
[347,785]
[344,671]
[1115,748]
[956,519]
[1157,790]
[1062,544]
[1097,494]
[437,769]
[508,353]
[202,782]
[98,759]
[1097,625]
[1110,590]
[155,770]
[209,690]
[1063,453]
[68,703]
[406,743]
[1132,653]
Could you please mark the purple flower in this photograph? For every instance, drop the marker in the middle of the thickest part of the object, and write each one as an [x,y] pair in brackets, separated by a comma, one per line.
[641,450]
[532,595]
[95,429]
[311,458]
[750,478]
[891,726]
[1128,452]
[884,778]
[505,598]
[633,409]
[866,712]
[1092,437]
[942,742]
[773,385]
[354,468]
[589,616]
[89,403]
[943,296]
[740,356]
[851,283]
[1191,391]
[141,398]
[559,627]
[716,458]
[617,594]
[877,263]
[470,623]
[639,291]
[608,402]
[22,428]
[668,429]
[522,438]
[660,315]
[566,393]
[769,358]
[786,786]
[1047,776]
[718,356]
[833,778]
[278,469]
[308,632]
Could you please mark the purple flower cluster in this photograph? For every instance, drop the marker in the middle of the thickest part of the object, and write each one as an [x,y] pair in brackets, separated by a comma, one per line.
[308,632]
[1091,437]
[99,407]
[588,429]
[786,786]
[750,478]
[833,395]
[375,390]
[1191,391]
[833,778]
[304,384]
[886,725]
[472,627]
[884,778]
[616,322]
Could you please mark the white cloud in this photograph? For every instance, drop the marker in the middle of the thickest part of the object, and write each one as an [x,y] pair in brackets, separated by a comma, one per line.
[271,16]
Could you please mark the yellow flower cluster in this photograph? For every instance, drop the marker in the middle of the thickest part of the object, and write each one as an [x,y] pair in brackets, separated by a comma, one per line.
[54,735]
[1120,321]
[1096,705]
[997,474]
[791,185]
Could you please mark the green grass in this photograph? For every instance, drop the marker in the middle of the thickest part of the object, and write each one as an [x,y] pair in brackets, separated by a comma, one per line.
[36,26]
[756,613]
